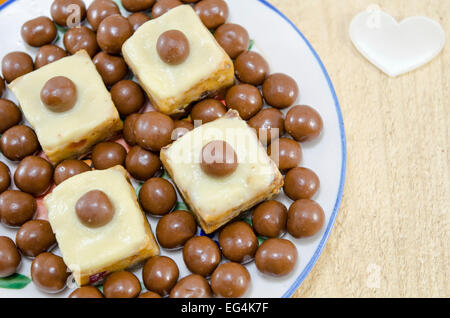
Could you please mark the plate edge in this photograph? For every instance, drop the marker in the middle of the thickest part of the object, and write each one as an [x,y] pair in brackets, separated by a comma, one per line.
[338,202]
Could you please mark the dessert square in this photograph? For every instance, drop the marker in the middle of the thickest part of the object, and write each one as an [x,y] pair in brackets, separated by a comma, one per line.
[67,134]
[90,252]
[171,88]
[217,200]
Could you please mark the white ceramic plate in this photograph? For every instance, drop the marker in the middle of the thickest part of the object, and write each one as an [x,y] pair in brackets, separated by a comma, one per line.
[287,51]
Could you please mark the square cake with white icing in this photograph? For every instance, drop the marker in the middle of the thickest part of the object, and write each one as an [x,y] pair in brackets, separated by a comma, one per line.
[217,194]
[68,132]
[97,244]
[205,70]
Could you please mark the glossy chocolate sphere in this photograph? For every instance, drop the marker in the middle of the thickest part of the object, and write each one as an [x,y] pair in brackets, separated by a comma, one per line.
[287,154]
[251,68]
[218,159]
[301,183]
[86,292]
[63,11]
[276,257]
[112,33]
[121,284]
[157,196]
[192,286]
[5,177]
[59,94]
[16,64]
[128,97]
[142,164]
[137,5]
[230,280]
[208,110]
[269,218]
[201,255]
[33,175]
[137,19]
[305,218]
[244,98]
[94,209]
[16,207]
[10,115]
[269,124]
[81,38]
[48,54]
[303,123]
[35,237]
[213,13]
[233,38]
[18,142]
[39,31]
[49,273]
[153,130]
[174,229]
[108,154]
[162,6]
[280,90]
[111,68]
[99,10]
[69,168]
[238,242]
[160,274]
[9,257]
[173,47]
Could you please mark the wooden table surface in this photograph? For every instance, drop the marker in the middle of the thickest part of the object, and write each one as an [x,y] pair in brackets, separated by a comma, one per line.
[391,237]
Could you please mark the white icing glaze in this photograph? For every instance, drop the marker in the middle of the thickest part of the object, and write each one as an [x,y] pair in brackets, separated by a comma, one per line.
[94,105]
[166,81]
[90,249]
[214,196]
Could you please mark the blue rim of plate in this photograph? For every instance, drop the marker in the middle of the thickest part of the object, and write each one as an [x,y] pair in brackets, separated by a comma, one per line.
[333,216]
[337,204]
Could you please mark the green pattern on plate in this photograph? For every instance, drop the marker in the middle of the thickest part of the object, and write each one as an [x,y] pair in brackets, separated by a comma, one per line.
[15,281]
[60,34]
[119,4]
[261,239]
[251,44]
[165,175]
[138,188]
[181,206]
[61,29]
[248,220]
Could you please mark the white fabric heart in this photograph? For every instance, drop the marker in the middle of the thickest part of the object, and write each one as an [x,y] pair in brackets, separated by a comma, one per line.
[396,48]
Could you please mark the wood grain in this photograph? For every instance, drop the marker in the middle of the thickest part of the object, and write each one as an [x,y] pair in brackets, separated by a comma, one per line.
[391,237]
[392,233]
